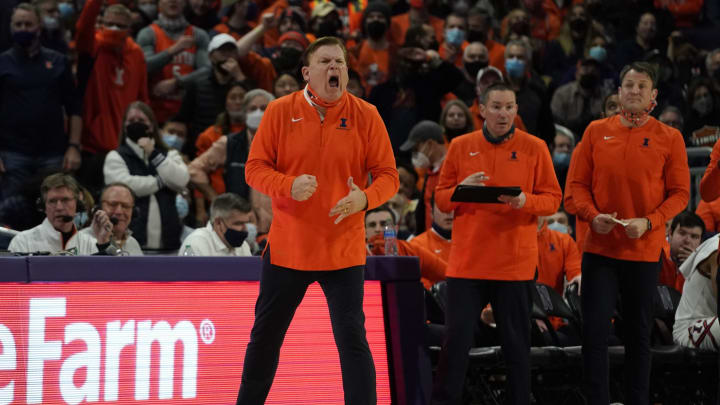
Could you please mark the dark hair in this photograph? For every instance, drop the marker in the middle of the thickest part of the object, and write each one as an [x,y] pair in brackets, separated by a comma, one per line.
[320,42]
[494,87]
[413,37]
[383,208]
[117,184]
[687,219]
[697,83]
[154,129]
[59,180]
[31,8]
[640,67]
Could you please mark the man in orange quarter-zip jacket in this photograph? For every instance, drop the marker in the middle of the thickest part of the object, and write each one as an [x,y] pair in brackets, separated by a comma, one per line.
[494,250]
[310,150]
[633,169]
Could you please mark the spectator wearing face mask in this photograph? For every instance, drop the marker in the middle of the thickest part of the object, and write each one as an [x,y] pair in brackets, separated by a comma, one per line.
[173,49]
[532,94]
[702,121]
[288,54]
[155,173]
[456,119]
[38,92]
[577,103]
[174,134]
[228,232]
[376,51]
[112,68]
[53,32]
[475,58]
[485,78]
[325,21]
[227,156]
[454,43]
[562,148]
[428,148]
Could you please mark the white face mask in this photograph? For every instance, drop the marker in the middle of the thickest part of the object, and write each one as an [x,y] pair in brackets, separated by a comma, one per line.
[252,233]
[252,120]
[557,226]
[420,160]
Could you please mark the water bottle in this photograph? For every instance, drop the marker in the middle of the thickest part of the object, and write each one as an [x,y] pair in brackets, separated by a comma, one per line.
[391,248]
[188,251]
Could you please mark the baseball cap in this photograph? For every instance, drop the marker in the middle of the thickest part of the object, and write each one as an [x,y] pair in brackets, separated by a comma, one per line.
[220,40]
[421,132]
[323,9]
[490,69]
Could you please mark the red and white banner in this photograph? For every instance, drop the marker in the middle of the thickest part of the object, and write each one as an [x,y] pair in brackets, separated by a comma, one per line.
[164,343]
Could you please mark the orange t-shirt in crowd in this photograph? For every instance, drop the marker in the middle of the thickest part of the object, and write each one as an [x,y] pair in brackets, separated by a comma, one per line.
[433,242]
[669,273]
[710,214]
[115,81]
[636,172]
[400,23]
[581,227]
[373,65]
[203,143]
[181,64]
[558,258]
[710,183]
[495,241]
[351,141]
[479,120]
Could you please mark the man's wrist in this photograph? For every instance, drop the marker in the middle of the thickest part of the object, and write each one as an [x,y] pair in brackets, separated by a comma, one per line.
[75,145]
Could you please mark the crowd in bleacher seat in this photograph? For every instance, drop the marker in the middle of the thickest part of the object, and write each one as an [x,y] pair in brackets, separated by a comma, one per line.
[149,107]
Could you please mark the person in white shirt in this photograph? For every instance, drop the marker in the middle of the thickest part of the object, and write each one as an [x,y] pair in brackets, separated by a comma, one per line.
[118,201]
[60,196]
[154,172]
[230,228]
[696,319]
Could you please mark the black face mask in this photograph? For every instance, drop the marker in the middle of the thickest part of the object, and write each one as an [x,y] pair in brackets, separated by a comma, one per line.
[476,36]
[521,28]
[434,44]
[235,238]
[474,67]
[589,81]
[376,29]
[579,25]
[328,29]
[288,59]
[24,38]
[447,234]
[136,130]
[454,132]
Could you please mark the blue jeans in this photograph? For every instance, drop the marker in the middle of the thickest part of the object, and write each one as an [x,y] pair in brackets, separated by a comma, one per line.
[19,168]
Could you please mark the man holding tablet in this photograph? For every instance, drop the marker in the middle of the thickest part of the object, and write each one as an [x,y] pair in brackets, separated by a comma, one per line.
[494,245]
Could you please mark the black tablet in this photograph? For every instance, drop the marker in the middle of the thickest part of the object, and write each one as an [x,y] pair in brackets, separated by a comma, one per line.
[483,194]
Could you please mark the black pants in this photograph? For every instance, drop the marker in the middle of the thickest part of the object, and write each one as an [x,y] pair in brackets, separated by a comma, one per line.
[603,279]
[281,291]
[511,302]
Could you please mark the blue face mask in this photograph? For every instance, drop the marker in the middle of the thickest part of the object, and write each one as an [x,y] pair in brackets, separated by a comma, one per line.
[67,10]
[557,226]
[454,36]
[598,53]
[173,141]
[561,159]
[515,68]
[182,206]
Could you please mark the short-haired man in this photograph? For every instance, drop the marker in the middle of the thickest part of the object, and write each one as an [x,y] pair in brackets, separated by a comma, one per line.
[683,237]
[497,155]
[227,232]
[60,194]
[118,201]
[310,148]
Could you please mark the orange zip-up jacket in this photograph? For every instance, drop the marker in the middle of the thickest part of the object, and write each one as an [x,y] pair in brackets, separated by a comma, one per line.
[291,141]
[710,214]
[558,258]
[115,81]
[636,172]
[581,227]
[433,242]
[710,183]
[495,241]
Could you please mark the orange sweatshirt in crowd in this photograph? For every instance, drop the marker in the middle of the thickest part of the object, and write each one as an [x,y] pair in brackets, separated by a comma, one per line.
[350,142]
[636,172]
[495,241]
[558,258]
[669,273]
[433,242]
[710,214]
[115,81]
[710,183]
[581,227]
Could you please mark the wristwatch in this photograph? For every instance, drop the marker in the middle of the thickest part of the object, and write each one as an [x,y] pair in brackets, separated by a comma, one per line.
[75,145]
[649,224]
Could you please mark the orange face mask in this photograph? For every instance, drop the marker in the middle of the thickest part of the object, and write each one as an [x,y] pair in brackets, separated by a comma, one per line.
[113,37]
